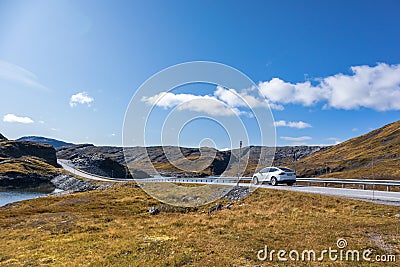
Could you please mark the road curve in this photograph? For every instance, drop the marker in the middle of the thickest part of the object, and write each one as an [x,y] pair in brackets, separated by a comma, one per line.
[68,168]
[389,198]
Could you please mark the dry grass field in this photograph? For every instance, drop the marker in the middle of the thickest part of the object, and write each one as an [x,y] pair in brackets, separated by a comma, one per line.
[114,228]
[374,155]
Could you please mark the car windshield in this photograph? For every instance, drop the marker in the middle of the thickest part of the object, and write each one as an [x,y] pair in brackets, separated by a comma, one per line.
[286,169]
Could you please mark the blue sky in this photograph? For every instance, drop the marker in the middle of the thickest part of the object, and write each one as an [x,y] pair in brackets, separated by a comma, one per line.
[68,69]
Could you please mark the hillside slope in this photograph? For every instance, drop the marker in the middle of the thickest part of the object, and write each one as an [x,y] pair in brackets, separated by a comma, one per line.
[374,155]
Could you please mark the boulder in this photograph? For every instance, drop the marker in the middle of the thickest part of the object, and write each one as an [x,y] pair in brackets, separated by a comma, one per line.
[154,211]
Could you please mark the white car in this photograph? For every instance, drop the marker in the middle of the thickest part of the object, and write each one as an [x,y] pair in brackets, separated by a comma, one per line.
[275,176]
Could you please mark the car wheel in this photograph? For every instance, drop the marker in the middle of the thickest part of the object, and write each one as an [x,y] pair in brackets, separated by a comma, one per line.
[274,182]
[255,180]
[290,183]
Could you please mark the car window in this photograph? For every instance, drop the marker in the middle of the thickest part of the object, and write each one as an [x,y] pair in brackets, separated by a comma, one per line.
[273,169]
[264,170]
[286,169]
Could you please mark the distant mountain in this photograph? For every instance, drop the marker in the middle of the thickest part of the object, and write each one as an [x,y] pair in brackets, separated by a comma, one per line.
[44,140]
[375,155]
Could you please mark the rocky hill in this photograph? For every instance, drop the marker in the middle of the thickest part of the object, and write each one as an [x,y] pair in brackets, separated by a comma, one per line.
[44,140]
[104,161]
[373,155]
[26,164]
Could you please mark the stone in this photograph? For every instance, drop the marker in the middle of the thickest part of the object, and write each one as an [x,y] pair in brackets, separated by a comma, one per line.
[154,211]
[217,207]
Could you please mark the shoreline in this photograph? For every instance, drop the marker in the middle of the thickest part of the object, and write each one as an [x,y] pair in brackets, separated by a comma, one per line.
[58,186]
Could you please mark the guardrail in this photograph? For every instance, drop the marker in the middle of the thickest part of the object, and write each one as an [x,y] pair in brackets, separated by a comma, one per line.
[343,182]
[324,181]
[190,180]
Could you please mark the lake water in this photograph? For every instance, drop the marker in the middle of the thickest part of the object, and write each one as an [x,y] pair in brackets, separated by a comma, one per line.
[14,196]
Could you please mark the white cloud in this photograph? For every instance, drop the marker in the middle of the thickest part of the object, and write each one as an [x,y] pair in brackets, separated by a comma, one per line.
[223,102]
[279,91]
[210,106]
[371,87]
[234,98]
[80,98]
[17,74]
[292,124]
[169,100]
[15,118]
[206,104]
[376,87]
[296,139]
[354,130]
[250,98]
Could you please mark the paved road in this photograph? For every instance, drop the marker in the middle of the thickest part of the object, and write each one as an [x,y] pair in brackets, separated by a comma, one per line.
[390,198]
[384,197]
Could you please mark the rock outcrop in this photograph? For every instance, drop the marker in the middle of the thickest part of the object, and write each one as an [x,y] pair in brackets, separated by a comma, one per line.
[103,161]
[70,183]
[101,165]
[26,164]
[18,149]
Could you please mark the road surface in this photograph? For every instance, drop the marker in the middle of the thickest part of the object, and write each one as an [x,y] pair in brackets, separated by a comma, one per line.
[383,197]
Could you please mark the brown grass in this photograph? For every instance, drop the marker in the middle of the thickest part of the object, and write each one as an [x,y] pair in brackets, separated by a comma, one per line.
[374,155]
[27,166]
[113,228]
